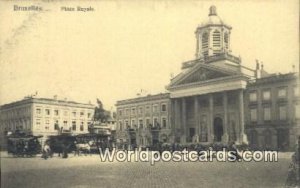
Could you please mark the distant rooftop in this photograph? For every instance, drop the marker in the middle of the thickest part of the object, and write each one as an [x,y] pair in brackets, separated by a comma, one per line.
[274,78]
[144,98]
[53,101]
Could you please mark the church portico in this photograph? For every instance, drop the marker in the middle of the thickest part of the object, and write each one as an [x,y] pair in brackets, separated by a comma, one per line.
[209,118]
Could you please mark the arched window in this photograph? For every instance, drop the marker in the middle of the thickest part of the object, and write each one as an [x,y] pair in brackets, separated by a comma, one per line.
[216,39]
[226,40]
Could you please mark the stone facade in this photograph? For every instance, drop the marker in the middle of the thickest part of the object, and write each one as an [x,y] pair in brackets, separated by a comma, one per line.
[209,100]
[42,116]
[273,111]
[144,120]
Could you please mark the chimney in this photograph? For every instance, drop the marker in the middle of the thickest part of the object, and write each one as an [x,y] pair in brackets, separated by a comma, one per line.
[257,71]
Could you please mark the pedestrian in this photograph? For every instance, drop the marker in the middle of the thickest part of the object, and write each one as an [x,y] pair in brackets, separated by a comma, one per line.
[46,151]
[234,151]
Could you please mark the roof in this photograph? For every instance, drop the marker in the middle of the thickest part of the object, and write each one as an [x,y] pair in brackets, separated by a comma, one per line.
[28,100]
[274,78]
[213,19]
[145,98]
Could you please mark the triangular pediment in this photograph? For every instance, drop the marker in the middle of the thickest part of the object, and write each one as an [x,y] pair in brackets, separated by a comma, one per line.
[201,73]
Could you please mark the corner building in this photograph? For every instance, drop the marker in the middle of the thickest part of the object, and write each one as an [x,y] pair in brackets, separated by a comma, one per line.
[209,98]
[44,116]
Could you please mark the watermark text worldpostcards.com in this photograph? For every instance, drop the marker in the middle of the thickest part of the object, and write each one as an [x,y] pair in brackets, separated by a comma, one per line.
[186,156]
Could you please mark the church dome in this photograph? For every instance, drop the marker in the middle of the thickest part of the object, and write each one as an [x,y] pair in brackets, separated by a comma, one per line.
[213,18]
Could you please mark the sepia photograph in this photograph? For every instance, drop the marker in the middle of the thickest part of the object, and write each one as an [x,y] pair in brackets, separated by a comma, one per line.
[149,93]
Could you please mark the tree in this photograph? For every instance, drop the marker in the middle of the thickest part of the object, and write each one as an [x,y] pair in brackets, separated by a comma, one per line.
[100,113]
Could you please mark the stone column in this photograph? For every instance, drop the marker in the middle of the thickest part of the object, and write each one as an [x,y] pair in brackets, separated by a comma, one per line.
[172,119]
[225,120]
[242,137]
[211,119]
[196,118]
[183,120]
[176,117]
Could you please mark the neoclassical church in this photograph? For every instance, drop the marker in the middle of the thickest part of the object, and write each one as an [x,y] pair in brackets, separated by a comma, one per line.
[207,97]
[210,100]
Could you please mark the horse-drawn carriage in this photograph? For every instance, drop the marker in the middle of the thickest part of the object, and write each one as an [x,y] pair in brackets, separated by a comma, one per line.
[22,145]
[82,143]
[62,144]
[94,141]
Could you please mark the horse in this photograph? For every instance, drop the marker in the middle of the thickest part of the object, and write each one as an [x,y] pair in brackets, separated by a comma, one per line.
[84,147]
[61,145]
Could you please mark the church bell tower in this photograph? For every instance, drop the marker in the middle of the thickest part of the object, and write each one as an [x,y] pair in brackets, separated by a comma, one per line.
[213,36]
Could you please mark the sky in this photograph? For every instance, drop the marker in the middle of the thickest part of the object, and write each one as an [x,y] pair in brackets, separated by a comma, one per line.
[124,47]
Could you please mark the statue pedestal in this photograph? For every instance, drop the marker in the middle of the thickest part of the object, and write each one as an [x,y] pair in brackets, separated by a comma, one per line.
[225,138]
[183,139]
[242,139]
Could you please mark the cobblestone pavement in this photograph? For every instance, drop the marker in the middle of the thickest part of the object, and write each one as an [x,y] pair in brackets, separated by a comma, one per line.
[89,171]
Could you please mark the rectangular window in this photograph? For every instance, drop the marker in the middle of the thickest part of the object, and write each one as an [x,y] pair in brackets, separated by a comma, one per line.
[127,124]
[89,115]
[38,111]
[147,122]
[56,112]
[56,126]
[81,126]
[267,113]
[38,122]
[133,111]
[297,111]
[74,125]
[127,112]
[81,114]
[120,125]
[147,109]
[47,111]
[281,92]
[164,122]
[282,112]
[141,123]
[47,124]
[65,123]
[140,110]
[266,95]
[253,115]
[155,122]
[74,114]
[253,96]
[120,112]
[133,125]
[65,113]
[163,107]
[155,108]
[296,91]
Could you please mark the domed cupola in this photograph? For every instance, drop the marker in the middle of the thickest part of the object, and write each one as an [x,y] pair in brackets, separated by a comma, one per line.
[213,36]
